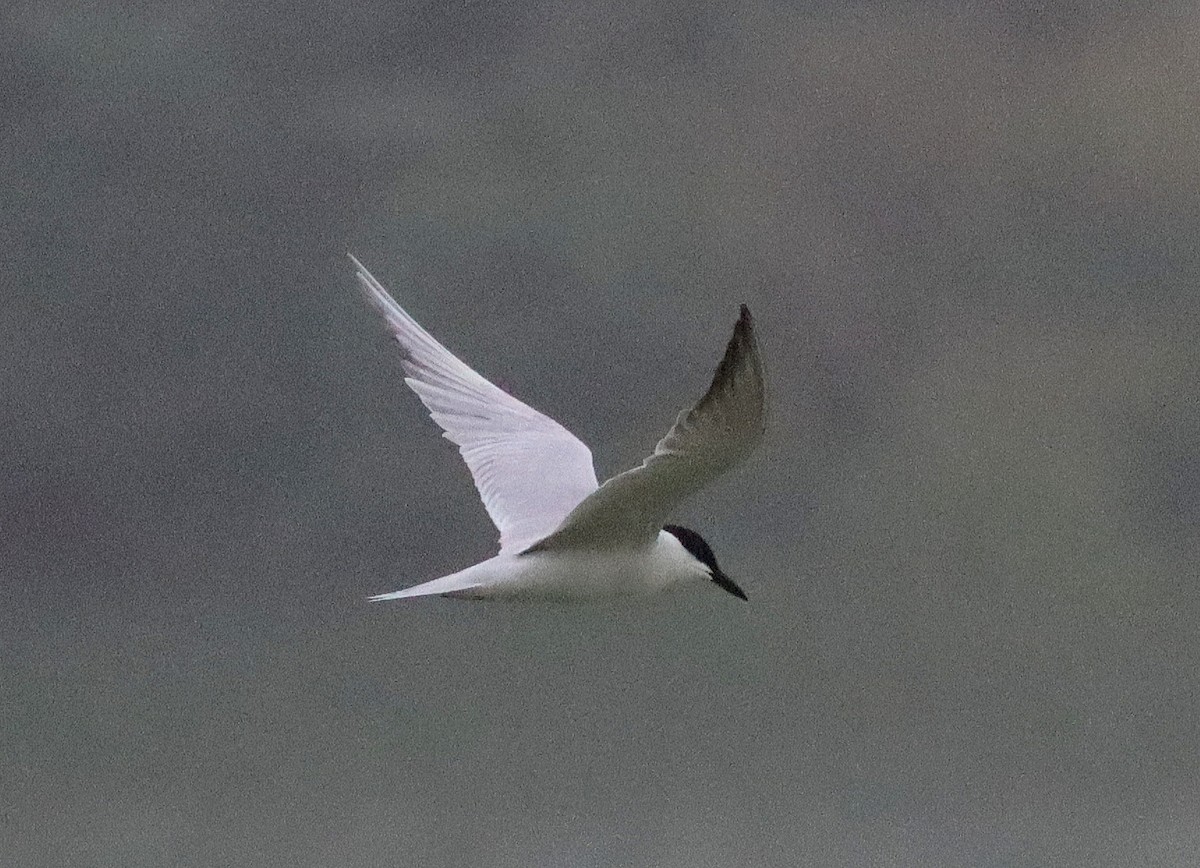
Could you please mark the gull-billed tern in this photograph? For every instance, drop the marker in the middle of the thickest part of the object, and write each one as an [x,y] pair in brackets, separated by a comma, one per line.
[562,535]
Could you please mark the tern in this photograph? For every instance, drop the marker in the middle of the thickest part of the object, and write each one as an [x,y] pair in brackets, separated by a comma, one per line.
[563,536]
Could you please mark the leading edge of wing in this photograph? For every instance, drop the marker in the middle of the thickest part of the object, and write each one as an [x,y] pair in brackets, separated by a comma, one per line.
[529,470]
[716,434]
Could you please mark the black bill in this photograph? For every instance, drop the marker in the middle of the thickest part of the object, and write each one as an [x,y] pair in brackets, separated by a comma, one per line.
[725,583]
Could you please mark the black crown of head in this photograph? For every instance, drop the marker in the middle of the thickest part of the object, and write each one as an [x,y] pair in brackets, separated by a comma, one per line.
[695,544]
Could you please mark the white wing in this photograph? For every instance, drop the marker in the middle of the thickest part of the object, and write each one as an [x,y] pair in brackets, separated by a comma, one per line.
[707,440]
[530,471]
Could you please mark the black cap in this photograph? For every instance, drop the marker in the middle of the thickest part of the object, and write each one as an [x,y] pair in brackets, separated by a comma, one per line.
[702,551]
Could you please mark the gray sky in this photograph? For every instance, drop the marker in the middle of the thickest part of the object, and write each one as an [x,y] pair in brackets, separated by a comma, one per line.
[971,540]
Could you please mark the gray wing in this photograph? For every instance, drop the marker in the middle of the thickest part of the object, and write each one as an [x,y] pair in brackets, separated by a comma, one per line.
[530,470]
[705,441]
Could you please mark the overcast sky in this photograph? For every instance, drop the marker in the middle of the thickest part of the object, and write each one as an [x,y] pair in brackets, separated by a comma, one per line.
[971,539]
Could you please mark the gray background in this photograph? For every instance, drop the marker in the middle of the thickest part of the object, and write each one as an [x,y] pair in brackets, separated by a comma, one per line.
[968,233]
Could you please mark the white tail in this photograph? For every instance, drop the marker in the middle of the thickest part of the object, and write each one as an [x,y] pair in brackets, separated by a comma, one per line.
[455,583]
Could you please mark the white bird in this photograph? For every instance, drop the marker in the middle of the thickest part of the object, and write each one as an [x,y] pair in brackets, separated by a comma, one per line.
[563,536]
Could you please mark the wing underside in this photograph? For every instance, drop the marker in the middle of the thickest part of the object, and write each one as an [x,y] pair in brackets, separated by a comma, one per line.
[530,471]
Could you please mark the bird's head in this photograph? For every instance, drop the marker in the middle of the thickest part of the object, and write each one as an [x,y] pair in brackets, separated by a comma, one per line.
[703,553]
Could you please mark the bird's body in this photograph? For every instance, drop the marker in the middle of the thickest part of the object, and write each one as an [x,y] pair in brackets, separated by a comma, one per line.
[571,575]
[562,535]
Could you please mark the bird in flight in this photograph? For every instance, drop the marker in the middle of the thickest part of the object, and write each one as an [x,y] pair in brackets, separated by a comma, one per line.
[563,536]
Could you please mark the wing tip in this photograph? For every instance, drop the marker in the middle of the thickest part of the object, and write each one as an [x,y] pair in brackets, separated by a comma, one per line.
[745,321]
[366,280]
[741,353]
[374,292]
[364,276]
[742,341]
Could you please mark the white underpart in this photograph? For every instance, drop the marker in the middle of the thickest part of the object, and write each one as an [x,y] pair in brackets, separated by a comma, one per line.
[573,575]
